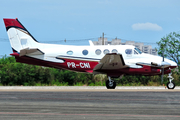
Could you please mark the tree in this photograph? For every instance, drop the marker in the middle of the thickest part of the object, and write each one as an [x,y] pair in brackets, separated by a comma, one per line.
[170,45]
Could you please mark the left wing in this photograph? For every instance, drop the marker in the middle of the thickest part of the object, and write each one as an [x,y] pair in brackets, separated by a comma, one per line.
[111,61]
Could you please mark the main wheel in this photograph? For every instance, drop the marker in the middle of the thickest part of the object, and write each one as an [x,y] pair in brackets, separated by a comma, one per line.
[110,85]
[170,85]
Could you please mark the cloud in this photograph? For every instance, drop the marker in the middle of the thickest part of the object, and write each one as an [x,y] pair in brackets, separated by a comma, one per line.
[146,26]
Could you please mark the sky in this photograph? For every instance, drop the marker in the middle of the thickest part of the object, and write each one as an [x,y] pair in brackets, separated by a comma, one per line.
[78,21]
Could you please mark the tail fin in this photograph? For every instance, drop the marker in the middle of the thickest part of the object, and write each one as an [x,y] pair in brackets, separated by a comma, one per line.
[18,35]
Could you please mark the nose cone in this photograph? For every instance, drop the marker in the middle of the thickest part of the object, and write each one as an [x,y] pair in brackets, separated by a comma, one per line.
[172,63]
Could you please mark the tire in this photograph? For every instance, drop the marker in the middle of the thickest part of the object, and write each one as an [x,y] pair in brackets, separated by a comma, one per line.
[113,86]
[170,85]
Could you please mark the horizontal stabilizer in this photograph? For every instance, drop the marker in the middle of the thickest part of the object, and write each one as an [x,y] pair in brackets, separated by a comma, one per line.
[30,51]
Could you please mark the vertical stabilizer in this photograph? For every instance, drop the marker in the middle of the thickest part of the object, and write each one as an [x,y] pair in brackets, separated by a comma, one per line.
[18,35]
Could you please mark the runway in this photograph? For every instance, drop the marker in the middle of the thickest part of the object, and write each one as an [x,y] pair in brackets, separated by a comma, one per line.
[89,105]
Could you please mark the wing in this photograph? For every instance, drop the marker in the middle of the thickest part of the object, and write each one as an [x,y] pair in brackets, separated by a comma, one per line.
[30,51]
[155,65]
[111,61]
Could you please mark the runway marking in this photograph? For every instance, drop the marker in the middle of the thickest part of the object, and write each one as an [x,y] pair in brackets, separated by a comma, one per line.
[108,115]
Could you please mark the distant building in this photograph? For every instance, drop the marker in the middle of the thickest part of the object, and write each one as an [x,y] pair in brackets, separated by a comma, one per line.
[147,49]
[99,42]
[130,43]
[144,48]
[153,52]
[116,41]
[139,46]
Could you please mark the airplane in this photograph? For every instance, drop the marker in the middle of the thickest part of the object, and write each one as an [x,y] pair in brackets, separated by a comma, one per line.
[112,60]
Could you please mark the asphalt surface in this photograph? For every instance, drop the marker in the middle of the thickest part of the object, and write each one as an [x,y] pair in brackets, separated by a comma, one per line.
[90,105]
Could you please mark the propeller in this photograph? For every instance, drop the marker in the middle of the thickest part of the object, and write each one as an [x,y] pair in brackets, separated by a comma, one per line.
[162,66]
[162,69]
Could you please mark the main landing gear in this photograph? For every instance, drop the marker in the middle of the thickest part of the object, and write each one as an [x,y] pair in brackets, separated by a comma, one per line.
[170,84]
[110,84]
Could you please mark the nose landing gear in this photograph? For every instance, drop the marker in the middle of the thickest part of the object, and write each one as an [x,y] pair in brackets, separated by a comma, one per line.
[170,84]
[110,84]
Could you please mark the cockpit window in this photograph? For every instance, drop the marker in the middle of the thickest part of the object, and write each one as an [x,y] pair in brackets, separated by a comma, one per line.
[139,51]
[135,52]
[128,51]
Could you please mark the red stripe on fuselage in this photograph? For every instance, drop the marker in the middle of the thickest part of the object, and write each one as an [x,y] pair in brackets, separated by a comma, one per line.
[70,64]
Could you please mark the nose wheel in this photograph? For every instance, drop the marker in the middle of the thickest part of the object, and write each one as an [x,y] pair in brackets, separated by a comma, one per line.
[110,84]
[170,84]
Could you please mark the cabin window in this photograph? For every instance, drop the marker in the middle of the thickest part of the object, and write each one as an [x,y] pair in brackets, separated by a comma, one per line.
[98,52]
[84,52]
[128,51]
[70,52]
[114,51]
[106,51]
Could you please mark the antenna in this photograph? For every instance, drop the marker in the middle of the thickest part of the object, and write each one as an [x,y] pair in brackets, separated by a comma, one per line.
[103,38]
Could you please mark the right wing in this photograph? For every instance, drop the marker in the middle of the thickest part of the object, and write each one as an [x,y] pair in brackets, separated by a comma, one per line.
[155,65]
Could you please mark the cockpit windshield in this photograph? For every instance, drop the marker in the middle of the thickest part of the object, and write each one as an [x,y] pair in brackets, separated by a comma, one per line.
[138,50]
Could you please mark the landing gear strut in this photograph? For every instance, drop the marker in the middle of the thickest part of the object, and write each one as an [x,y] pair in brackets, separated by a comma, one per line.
[170,84]
[110,84]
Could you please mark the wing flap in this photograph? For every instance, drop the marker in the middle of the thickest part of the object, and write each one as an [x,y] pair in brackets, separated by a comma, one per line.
[30,51]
